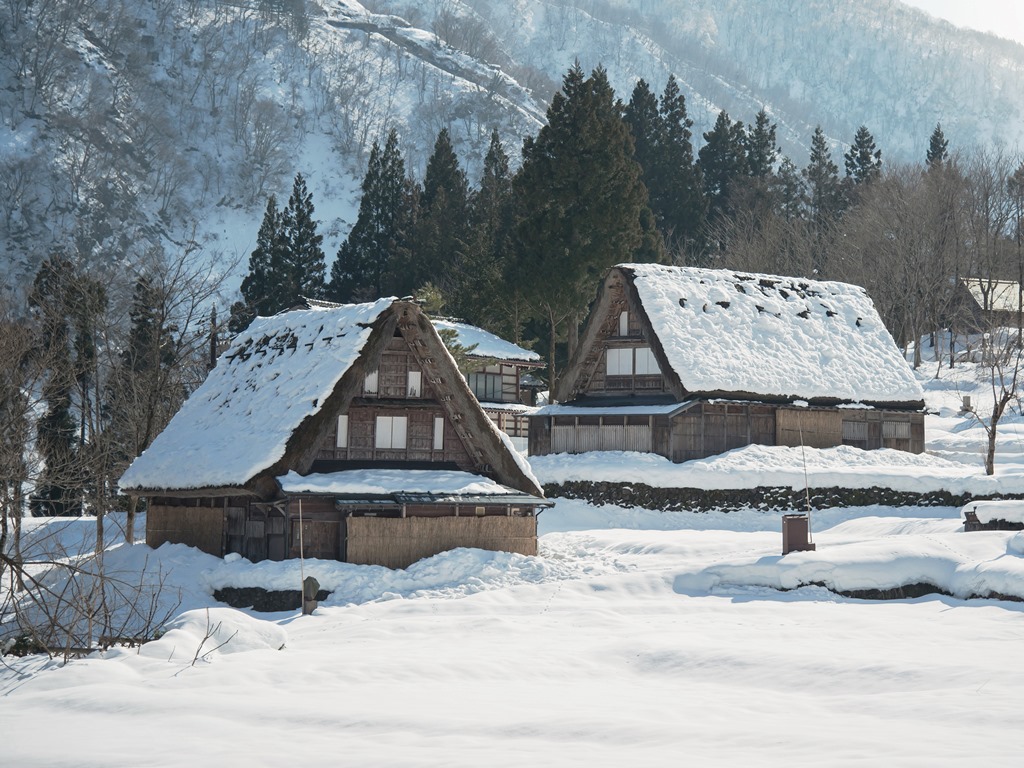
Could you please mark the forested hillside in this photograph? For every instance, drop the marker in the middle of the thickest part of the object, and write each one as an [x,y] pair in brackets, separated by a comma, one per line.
[128,126]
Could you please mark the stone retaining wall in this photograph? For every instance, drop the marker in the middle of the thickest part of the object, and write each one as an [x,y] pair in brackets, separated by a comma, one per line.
[763,497]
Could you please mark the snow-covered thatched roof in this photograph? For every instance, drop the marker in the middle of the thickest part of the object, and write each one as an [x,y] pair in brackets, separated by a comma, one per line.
[487,345]
[769,336]
[267,404]
[276,374]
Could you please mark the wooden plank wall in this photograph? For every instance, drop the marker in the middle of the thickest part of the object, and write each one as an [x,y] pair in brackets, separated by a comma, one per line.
[813,428]
[712,428]
[200,527]
[400,542]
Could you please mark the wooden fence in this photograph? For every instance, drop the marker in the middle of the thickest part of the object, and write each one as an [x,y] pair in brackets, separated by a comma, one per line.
[399,542]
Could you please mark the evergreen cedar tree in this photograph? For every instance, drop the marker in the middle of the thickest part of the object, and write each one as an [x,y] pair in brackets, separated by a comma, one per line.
[723,165]
[663,149]
[937,153]
[582,202]
[373,259]
[824,189]
[489,255]
[442,228]
[863,159]
[287,264]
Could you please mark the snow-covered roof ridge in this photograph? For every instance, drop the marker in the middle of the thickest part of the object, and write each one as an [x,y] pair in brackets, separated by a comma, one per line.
[488,345]
[272,377]
[724,331]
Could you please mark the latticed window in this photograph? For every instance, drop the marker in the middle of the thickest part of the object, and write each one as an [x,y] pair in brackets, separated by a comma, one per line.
[895,430]
[486,386]
[855,433]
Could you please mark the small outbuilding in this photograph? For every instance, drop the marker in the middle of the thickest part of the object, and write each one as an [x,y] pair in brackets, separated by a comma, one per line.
[688,363]
[499,376]
[342,432]
[982,304]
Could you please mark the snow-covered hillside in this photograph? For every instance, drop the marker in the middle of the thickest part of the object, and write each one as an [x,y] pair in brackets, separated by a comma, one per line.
[129,125]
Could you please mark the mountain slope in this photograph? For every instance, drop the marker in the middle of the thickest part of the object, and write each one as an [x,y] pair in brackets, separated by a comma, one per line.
[126,126]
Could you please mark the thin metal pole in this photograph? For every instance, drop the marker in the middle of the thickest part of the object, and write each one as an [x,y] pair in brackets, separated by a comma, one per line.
[302,556]
[807,489]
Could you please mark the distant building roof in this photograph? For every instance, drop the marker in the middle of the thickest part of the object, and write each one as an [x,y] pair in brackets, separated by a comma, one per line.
[765,335]
[488,345]
[995,295]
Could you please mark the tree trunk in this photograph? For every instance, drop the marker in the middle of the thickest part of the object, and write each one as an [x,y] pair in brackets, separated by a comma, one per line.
[574,335]
[100,544]
[990,452]
[129,523]
[552,335]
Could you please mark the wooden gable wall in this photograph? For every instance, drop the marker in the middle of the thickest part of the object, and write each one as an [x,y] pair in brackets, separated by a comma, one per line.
[588,373]
[393,397]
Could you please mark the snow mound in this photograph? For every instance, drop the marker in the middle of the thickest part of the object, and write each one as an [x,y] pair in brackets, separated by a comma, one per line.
[779,466]
[961,564]
[456,573]
[205,634]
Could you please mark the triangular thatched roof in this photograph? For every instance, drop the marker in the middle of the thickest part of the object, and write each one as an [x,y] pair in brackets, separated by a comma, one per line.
[268,403]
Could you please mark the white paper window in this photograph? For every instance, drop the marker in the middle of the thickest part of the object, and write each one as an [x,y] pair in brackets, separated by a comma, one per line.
[438,433]
[342,441]
[414,388]
[620,362]
[370,384]
[390,432]
[624,324]
[646,364]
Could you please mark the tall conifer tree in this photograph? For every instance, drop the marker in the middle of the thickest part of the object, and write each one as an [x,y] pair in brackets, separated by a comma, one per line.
[259,285]
[376,252]
[442,229]
[938,146]
[678,200]
[302,274]
[826,200]
[723,165]
[481,296]
[584,206]
[863,159]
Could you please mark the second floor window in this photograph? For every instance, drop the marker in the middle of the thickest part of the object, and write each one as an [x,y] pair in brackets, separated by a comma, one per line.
[486,386]
[370,383]
[631,360]
[390,432]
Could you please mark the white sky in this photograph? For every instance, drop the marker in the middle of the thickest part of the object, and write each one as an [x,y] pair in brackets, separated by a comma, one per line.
[1001,17]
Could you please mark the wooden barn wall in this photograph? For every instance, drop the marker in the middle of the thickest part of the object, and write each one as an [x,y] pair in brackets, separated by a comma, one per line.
[539,436]
[712,428]
[812,428]
[400,542]
[199,527]
[323,528]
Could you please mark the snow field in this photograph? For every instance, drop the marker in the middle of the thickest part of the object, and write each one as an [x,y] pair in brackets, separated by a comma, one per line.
[635,638]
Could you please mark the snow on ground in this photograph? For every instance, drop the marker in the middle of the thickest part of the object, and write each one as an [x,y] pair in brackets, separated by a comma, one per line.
[634,638]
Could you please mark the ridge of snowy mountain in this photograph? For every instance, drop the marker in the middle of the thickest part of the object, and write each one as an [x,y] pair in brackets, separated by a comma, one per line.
[126,126]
